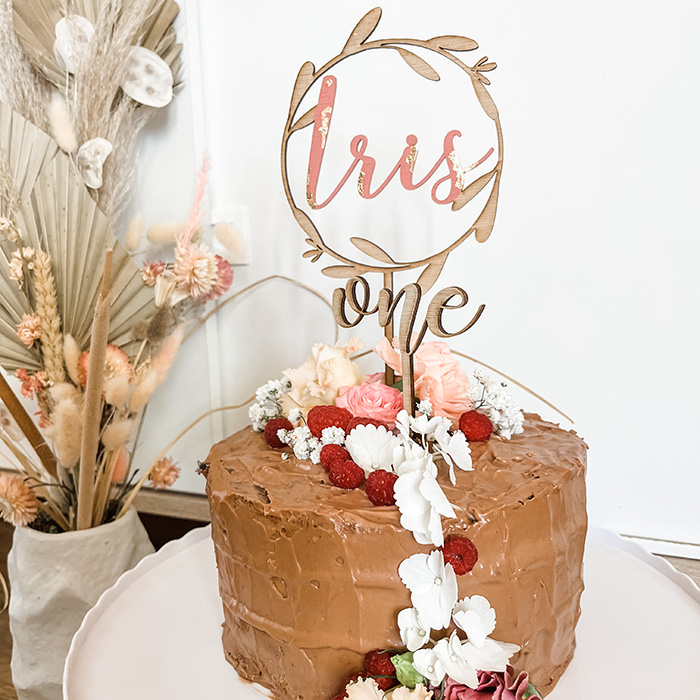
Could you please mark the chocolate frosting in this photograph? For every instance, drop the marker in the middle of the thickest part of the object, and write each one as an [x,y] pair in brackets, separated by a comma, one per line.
[309,572]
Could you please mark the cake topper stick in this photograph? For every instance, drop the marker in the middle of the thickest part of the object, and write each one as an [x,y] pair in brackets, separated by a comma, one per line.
[353,301]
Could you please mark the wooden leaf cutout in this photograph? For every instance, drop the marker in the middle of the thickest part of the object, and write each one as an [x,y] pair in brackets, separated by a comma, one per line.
[469,192]
[339,271]
[451,42]
[304,79]
[485,99]
[487,67]
[307,119]
[363,29]
[310,253]
[484,224]
[429,276]
[418,64]
[314,237]
[373,250]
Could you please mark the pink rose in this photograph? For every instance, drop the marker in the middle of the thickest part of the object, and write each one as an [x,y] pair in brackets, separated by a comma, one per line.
[493,685]
[371,400]
[438,377]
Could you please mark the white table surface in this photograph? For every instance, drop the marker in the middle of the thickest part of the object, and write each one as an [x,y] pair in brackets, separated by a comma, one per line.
[156,634]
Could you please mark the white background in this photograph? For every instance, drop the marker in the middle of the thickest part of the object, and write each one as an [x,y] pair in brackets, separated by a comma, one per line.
[589,278]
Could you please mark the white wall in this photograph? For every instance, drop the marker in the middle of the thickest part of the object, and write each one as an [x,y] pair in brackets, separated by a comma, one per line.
[590,275]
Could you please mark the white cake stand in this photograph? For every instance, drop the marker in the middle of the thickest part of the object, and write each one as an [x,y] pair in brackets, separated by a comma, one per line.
[155,635]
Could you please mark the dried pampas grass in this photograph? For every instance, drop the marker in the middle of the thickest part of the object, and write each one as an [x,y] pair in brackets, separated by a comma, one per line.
[117,391]
[134,233]
[26,91]
[145,387]
[163,361]
[101,108]
[66,431]
[231,239]
[71,355]
[117,433]
[63,391]
[62,125]
[163,234]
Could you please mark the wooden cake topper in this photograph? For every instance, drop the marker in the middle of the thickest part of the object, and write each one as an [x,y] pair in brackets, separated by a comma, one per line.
[353,302]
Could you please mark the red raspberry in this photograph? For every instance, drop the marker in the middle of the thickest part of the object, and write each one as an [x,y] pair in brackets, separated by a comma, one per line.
[476,426]
[380,487]
[362,420]
[461,553]
[346,475]
[321,417]
[378,663]
[333,453]
[271,431]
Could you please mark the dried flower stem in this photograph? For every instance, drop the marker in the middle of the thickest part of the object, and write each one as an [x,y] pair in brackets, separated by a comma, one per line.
[93,402]
[26,425]
[128,501]
[47,309]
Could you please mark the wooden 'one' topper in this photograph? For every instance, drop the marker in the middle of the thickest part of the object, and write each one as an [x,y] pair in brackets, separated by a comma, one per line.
[353,302]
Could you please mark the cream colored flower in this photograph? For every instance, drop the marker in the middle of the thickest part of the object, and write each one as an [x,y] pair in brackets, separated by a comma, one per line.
[364,689]
[195,270]
[318,381]
[164,473]
[29,329]
[18,503]
[420,692]
[8,229]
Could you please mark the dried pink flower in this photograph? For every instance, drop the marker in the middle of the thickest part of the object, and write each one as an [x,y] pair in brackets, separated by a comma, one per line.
[164,473]
[151,272]
[18,503]
[116,364]
[29,329]
[224,282]
[196,270]
[31,384]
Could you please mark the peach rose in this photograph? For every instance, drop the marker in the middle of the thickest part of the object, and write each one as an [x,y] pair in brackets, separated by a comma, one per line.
[371,400]
[438,377]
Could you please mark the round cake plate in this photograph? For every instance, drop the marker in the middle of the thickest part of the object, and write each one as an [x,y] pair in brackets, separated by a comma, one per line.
[156,634]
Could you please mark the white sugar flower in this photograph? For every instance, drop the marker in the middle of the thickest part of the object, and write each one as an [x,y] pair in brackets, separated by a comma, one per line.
[428,664]
[451,654]
[433,586]
[409,456]
[372,447]
[454,449]
[364,689]
[426,426]
[332,436]
[491,656]
[421,502]
[414,632]
[476,617]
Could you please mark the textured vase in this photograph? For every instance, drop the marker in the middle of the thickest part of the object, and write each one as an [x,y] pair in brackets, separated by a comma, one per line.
[54,580]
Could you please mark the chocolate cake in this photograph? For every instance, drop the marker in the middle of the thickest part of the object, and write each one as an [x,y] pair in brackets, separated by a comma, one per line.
[308,572]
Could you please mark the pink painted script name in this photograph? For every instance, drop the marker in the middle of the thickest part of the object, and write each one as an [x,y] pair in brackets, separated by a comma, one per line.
[358,149]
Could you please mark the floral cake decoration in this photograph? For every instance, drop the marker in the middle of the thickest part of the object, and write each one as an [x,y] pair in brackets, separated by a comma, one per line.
[355,427]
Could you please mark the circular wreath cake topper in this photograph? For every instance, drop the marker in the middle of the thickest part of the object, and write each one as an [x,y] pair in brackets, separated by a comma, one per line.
[462,192]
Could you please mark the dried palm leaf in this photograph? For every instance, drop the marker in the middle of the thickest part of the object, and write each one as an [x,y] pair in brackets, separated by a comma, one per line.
[58,215]
[35,24]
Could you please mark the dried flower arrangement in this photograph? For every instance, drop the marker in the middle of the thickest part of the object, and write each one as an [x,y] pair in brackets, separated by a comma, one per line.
[89,333]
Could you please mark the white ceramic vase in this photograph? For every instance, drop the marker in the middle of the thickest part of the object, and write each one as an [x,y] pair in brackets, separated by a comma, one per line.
[54,580]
